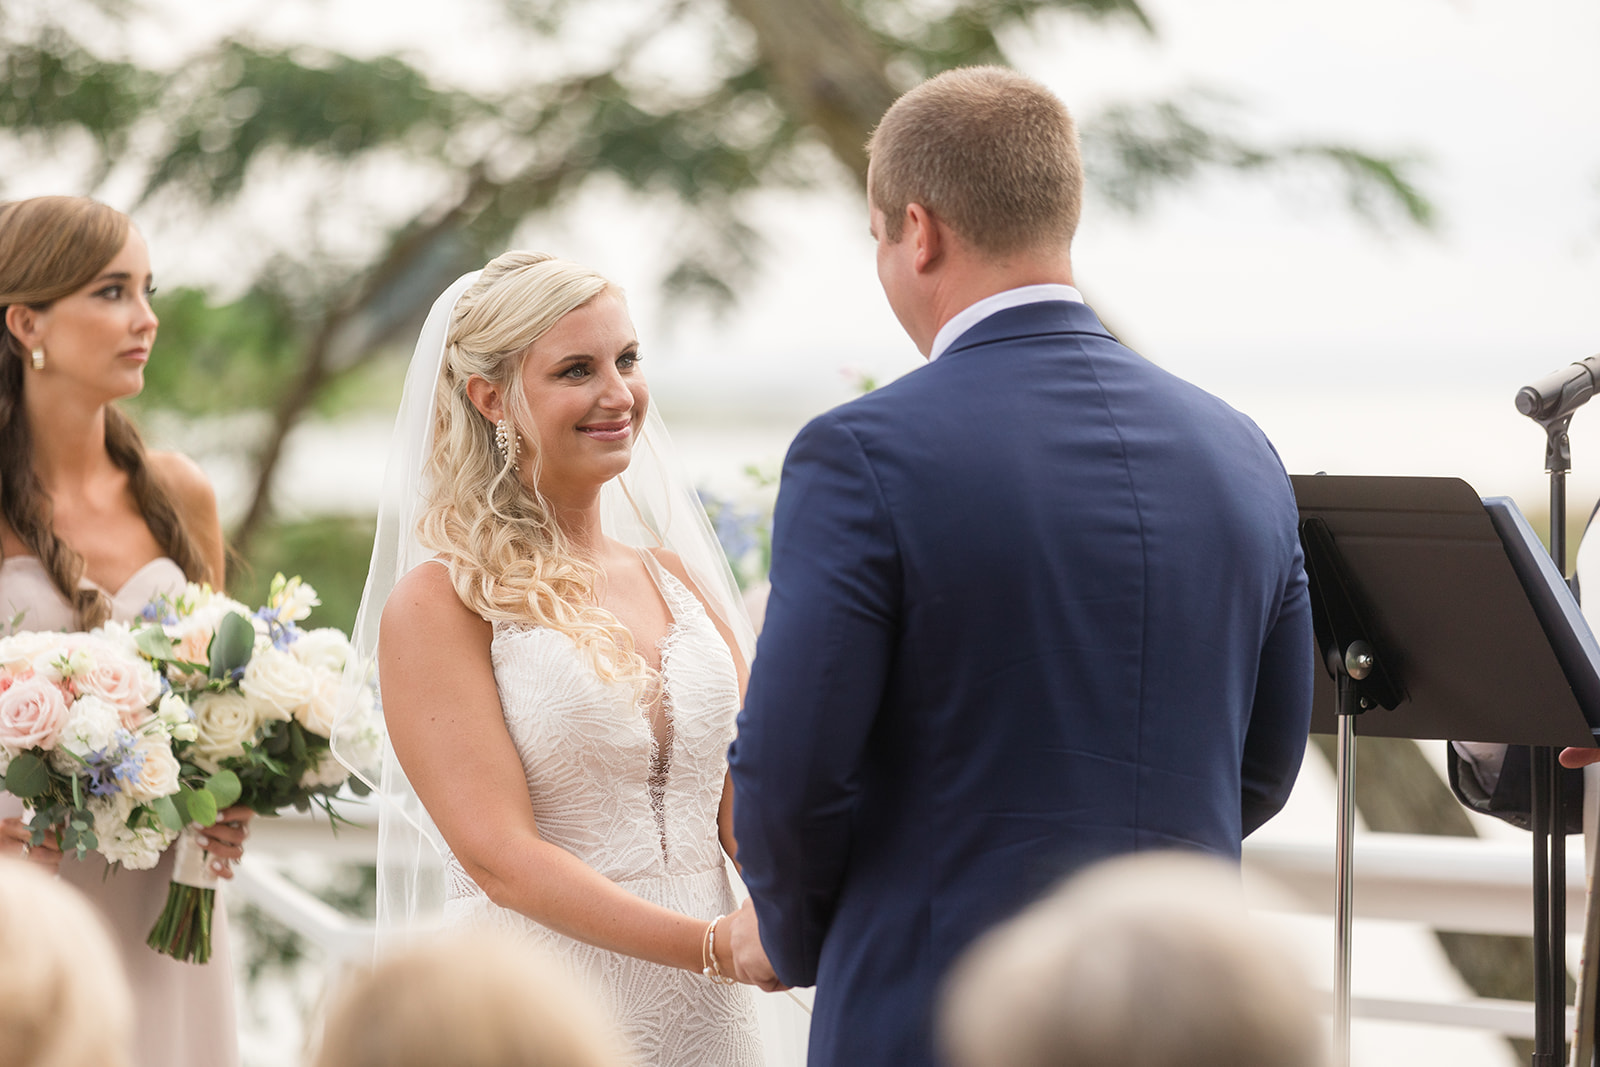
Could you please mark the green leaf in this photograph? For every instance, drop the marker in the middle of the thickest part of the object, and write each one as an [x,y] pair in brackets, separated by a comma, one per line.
[166,809]
[153,642]
[224,786]
[202,807]
[27,777]
[231,645]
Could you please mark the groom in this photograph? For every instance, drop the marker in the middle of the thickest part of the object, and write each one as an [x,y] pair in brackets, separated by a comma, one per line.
[1037,603]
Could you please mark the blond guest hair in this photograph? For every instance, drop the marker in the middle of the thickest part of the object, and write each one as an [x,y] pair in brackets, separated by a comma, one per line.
[508,558]
[471,1001]
[64,1001]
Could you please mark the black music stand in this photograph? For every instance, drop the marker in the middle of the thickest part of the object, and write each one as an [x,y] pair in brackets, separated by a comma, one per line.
[1440,615]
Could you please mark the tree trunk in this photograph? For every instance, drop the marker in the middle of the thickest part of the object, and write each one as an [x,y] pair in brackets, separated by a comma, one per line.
[825,65]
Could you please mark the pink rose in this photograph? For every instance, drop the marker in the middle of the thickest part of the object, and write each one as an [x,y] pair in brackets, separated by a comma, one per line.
[124,683]
[33,712]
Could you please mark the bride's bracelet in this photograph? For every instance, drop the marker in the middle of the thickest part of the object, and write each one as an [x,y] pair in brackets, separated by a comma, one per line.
[708,955]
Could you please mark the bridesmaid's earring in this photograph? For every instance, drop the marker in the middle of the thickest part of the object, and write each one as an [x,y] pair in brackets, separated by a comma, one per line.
[38,359]
[505,439]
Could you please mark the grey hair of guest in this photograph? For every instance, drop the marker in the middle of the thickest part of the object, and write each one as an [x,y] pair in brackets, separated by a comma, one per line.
[1148,960]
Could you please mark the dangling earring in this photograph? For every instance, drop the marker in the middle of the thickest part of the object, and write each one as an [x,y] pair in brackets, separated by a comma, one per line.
[505,439]
[38,359]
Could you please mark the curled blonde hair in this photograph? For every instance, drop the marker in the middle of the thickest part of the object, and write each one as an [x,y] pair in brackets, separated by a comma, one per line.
[474,1000]
[508,557]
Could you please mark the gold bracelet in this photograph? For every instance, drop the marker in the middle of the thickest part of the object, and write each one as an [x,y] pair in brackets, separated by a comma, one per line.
[705,949]
[713,969]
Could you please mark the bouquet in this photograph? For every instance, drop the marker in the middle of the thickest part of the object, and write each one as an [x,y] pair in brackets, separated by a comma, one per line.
[87,736]
[264,693]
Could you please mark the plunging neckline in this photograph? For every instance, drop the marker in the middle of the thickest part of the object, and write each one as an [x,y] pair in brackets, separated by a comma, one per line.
[126,582]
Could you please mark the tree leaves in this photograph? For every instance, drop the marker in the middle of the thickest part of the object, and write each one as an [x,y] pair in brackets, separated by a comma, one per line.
[1133,151]
[304,100]
[52,85]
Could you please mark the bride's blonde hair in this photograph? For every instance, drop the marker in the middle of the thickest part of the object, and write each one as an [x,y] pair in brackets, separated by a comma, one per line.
[508,558]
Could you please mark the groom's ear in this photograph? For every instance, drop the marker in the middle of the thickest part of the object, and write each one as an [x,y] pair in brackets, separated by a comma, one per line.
[485,396]
[926,234]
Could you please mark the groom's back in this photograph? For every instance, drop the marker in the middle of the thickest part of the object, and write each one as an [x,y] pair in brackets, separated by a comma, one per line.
[1092,556]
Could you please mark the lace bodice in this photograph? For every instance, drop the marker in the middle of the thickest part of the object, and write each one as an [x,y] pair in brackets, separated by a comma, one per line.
[643,815]
[587,748]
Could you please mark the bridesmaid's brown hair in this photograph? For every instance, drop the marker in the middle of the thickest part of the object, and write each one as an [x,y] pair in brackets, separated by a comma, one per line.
[50,247]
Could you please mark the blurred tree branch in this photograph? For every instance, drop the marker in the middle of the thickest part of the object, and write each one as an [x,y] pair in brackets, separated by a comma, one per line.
[779,78]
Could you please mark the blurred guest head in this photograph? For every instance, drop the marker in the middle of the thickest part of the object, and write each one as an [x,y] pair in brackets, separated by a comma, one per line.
[1144,961]
[468,1001]
[64,1001]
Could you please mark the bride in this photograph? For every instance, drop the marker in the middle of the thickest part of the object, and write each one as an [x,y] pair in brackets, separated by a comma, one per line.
[561,657]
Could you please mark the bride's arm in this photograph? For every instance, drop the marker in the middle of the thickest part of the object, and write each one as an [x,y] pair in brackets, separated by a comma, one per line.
[444,719]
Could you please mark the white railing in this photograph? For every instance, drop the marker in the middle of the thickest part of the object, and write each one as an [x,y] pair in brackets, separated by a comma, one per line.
[1447,883]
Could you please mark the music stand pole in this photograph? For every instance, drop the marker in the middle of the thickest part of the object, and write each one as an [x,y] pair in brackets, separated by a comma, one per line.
[1357,664]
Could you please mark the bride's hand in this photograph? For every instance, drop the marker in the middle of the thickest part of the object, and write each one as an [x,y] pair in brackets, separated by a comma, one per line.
[747,960]
[224,840]
[14,838]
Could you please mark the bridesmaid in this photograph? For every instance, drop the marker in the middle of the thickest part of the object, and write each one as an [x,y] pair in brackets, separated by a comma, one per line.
[91,528]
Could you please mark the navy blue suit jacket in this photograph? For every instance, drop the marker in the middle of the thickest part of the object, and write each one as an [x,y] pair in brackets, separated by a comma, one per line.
[1034,604]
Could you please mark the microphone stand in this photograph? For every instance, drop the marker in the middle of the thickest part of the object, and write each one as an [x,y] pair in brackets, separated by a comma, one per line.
[1549,825]
[1550,402]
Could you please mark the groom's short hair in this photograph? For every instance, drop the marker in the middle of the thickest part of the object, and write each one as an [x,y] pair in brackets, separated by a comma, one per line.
[991,152]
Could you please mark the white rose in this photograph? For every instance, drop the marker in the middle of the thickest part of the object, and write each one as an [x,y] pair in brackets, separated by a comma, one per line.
[223,723]
[92,726]
[158,775]
[18,651]
[323,649]
[318,713]
[277,684]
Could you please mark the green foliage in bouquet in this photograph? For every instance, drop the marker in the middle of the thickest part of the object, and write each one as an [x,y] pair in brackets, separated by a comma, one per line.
[29,780]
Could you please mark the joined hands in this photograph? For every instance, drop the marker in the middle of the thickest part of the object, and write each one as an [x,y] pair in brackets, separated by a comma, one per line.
[749,961]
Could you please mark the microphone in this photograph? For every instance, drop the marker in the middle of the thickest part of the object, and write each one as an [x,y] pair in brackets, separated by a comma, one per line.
[1561,392]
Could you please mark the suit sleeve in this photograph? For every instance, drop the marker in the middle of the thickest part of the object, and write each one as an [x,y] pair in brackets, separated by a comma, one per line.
[815,690]
[1280,718]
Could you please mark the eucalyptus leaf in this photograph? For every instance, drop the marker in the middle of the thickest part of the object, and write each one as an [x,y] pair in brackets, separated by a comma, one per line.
[166,809]
[231,645]
[202,807]
[153,642]
[27,778]
[225,787]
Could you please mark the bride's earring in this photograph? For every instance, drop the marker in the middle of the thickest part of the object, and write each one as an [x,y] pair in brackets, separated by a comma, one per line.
[505,439]
[38,359]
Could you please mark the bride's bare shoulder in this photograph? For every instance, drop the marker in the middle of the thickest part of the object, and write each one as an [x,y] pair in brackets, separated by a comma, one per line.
[424,602]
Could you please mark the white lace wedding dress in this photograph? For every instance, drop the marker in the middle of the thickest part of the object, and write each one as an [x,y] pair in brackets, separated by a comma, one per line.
[642,815]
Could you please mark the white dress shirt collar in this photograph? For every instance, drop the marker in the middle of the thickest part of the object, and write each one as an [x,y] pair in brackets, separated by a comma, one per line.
[970,316]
